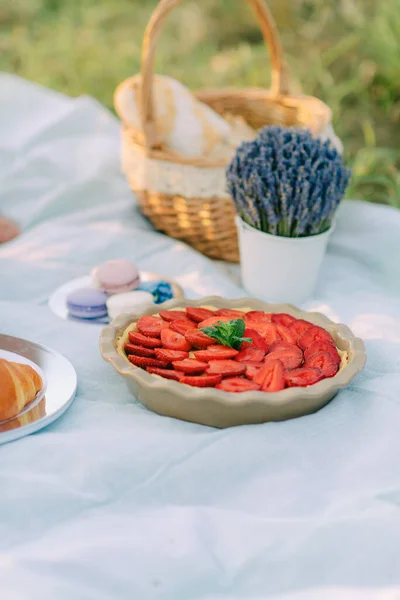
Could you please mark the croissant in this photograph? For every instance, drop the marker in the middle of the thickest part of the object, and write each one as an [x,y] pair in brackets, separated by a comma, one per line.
[19,385]
[30,416]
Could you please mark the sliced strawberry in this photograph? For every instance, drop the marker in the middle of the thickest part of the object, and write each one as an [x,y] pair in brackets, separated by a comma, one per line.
[256,340]
[300,326]
[198,339]
[290,355]
[252,354]
[270,333]
[202,380]
[166,373]
[190,366]
[144,361]
[230,313]
[321,346]
[150,326]
[323,361]
[225,368]
[283,319]
[142,340]
[199,314]
[258,315]
[174,341]
[170,355]
[138,350]
[280,345]
[252,369]
[172,315]
[271,377]
[251,363]
[217,352]
[286,334]
[303,377]
[237,384]
[182,326]
[258,321]
[262,328]
[314,334]
[213,321]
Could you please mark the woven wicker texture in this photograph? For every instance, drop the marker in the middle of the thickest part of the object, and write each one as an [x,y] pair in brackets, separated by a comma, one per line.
[206,224]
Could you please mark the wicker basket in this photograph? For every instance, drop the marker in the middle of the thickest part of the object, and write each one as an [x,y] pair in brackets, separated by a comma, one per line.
[186,197]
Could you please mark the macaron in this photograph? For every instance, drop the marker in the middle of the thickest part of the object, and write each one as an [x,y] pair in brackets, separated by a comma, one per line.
[128,302]
[116,276]
[87,304]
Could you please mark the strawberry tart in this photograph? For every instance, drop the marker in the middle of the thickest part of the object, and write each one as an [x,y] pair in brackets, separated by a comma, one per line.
[231,350]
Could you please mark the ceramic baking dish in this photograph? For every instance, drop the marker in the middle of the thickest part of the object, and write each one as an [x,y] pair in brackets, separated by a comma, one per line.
[216,408]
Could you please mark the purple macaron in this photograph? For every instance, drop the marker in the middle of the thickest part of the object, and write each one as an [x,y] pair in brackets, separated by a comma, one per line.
[87,304]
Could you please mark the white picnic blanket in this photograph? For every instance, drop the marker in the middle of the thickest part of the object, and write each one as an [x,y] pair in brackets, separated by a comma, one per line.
[113,502]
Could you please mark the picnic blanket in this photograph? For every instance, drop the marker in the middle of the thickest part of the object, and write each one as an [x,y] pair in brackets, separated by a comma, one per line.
[113,502]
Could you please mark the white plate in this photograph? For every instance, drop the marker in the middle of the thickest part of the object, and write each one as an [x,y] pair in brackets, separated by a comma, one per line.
[58,300]
[60,380]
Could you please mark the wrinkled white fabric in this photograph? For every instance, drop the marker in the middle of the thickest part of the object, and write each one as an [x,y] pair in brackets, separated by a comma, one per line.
[113,502]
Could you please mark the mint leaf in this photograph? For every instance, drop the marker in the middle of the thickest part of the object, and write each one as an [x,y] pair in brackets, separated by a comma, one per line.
[228,333]
[215,333]
[238,327]
[237,342]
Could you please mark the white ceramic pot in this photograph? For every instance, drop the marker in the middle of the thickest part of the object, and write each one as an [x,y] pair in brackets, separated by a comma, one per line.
[280,269]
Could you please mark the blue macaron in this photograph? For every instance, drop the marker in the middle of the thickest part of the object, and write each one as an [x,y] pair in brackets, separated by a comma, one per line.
[87,304]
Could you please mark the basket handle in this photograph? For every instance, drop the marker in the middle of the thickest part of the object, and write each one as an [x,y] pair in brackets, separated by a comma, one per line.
[279,75]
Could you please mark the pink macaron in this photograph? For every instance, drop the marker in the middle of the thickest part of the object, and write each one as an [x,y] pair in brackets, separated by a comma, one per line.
[116,276]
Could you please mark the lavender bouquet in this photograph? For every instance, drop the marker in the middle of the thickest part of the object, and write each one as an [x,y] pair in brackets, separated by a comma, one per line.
[287,183]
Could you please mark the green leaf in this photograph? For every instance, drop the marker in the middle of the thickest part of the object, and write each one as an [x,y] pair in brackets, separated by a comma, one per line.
[214,333]
[229,333]
[238,327]
[237,342]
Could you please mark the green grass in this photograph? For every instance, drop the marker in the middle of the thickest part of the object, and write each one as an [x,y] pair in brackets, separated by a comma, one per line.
[346,52]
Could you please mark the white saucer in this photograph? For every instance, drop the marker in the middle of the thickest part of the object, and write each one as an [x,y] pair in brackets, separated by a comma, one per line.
[60,381]
[58,300]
